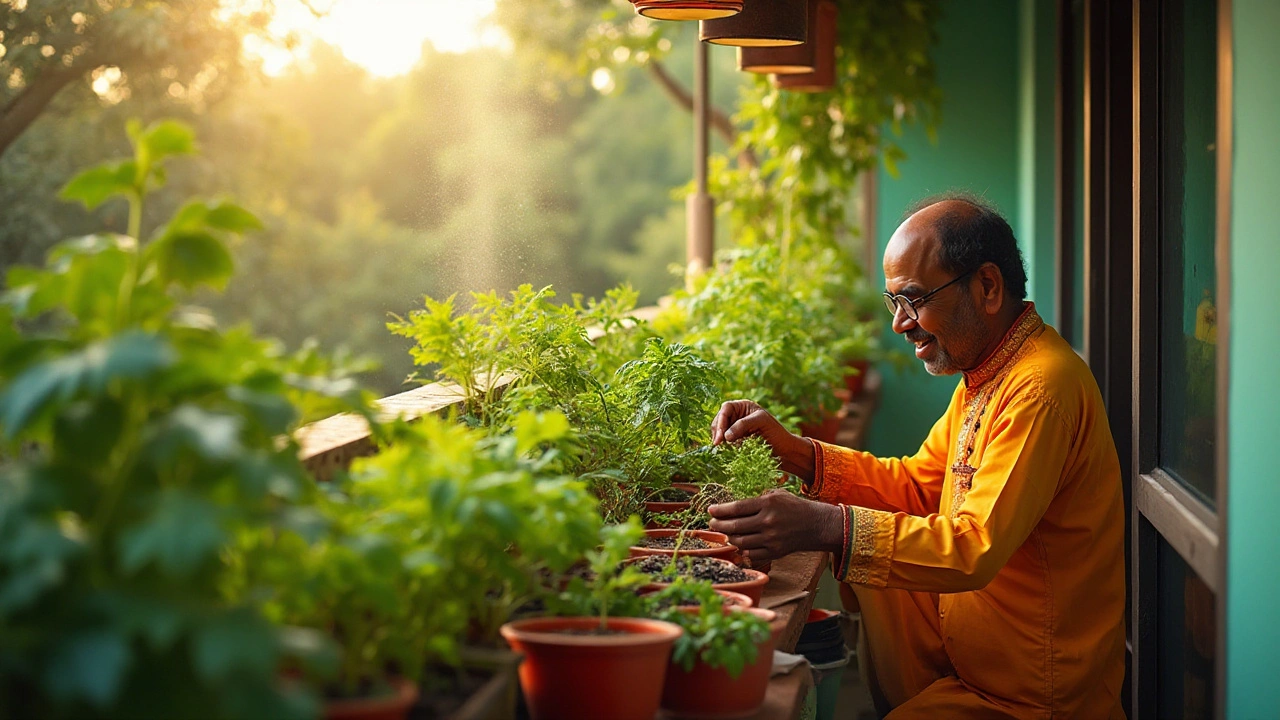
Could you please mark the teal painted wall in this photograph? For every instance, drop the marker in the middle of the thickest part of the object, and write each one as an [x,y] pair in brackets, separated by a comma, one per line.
[1253,491]
[1036,58]
[977,150]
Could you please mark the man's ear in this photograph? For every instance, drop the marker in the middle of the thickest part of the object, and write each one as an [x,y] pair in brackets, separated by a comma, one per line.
[990,288]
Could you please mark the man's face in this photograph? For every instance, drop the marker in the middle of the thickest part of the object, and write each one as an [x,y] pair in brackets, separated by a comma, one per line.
[949,334]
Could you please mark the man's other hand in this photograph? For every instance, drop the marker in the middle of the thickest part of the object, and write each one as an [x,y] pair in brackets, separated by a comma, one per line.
[777,524]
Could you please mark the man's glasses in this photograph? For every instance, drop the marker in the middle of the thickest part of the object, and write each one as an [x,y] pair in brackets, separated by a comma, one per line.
[912,307]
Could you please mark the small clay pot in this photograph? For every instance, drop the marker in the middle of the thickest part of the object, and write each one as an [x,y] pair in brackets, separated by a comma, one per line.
[855,382]
[382,707]
[722,549]
[707,692]
[655,507]
[731,599]
[828,427]
[584,677]
[752,588]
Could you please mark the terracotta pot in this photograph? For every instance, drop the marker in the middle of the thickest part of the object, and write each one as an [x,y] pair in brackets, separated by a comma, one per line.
[707,692]
[655,507]
[854,383]
[741,562]
[828,427]
[723,549]
[584,677]
[383,707]
[731,599]
[752,588]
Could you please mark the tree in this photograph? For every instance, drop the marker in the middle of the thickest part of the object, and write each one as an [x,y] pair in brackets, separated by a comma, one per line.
[183,48]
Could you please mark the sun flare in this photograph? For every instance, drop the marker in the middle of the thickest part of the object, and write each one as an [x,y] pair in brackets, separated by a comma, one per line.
[383,36]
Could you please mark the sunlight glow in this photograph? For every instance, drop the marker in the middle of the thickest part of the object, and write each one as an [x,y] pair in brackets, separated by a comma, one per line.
[383,36]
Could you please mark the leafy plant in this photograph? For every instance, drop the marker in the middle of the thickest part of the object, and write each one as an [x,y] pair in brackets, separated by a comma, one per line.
[610,584]
[142,441]
[715,635]
[433,541]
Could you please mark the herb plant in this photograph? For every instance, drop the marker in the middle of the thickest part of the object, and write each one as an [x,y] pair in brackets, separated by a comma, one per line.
[714,635]
[142,441]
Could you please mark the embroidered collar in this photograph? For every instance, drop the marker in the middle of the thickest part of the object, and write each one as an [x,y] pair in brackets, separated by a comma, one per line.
[1027,324]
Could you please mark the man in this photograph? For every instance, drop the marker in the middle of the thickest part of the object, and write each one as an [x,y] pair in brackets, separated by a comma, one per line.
[989,566]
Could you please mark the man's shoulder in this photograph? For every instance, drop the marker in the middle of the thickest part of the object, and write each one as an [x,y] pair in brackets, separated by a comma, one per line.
[1049,369]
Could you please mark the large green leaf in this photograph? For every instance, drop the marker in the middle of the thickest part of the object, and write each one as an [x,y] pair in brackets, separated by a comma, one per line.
[88,666]
[190,258]
[133,356]
[99,184]
[181,533]
[238,640]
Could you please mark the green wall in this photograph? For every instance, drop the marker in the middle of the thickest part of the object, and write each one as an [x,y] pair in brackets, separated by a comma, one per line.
[987,143]
[1253,490]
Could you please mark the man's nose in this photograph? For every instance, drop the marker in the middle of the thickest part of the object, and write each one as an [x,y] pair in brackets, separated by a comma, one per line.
[902,322]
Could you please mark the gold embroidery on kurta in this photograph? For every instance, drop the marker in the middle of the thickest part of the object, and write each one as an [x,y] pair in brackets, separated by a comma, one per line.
[980,386]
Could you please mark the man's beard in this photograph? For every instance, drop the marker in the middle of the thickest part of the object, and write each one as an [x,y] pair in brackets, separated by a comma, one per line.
[963,328]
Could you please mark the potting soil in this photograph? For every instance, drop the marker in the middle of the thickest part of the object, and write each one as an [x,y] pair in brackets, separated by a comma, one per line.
[669,543]
[700,568]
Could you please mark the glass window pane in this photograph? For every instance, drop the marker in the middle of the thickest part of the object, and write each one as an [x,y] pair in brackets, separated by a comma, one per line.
[1186,639]
[1188,317]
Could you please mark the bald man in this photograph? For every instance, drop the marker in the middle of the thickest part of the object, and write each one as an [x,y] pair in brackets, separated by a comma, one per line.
[989,566]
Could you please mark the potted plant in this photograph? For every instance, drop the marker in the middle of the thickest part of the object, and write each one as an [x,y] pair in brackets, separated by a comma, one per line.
[720,666]
[693,543]
[722,574]
[596,665]
[141,441]
[432,542]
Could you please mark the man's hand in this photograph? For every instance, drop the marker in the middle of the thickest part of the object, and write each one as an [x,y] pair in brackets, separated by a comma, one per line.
[739,419]
[778,523]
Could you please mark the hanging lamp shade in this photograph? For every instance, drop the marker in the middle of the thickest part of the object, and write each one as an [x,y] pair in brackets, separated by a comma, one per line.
[826,35]
[784,59]
[762,23]
[687,9]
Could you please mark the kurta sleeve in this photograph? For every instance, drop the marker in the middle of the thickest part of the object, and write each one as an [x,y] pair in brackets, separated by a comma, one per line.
[1015,482]
[910,484]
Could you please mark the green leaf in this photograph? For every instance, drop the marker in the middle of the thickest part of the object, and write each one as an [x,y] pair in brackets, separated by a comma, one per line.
[192,258]
[238,640]
[86,432]
[232,218]
[128,356]
[88,666]
[99,184]
[214,436]
[167,138]
[180,534]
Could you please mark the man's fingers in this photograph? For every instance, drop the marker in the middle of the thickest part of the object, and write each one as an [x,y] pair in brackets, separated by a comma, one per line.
[737,508]
[748,542]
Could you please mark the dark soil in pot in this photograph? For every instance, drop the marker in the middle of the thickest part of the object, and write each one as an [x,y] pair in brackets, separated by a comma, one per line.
[671,494]
[700,568]
[445,690]
[669,543]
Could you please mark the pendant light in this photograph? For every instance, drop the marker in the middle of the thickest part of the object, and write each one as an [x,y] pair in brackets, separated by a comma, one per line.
[784,59]
[823,77]
[687,9]
[762,23]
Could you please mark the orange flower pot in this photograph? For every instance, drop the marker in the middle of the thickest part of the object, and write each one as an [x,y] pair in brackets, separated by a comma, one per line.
[383,707]
[585,677]
[722,549]
[707,692]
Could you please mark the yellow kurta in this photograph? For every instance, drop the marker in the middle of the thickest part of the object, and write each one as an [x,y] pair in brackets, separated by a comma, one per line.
[1012,514]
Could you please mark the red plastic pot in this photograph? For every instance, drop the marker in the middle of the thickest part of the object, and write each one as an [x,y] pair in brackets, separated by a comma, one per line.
[723,550]
[383,707]
[655,507]
[707,692]
[585,677]
[752,588]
